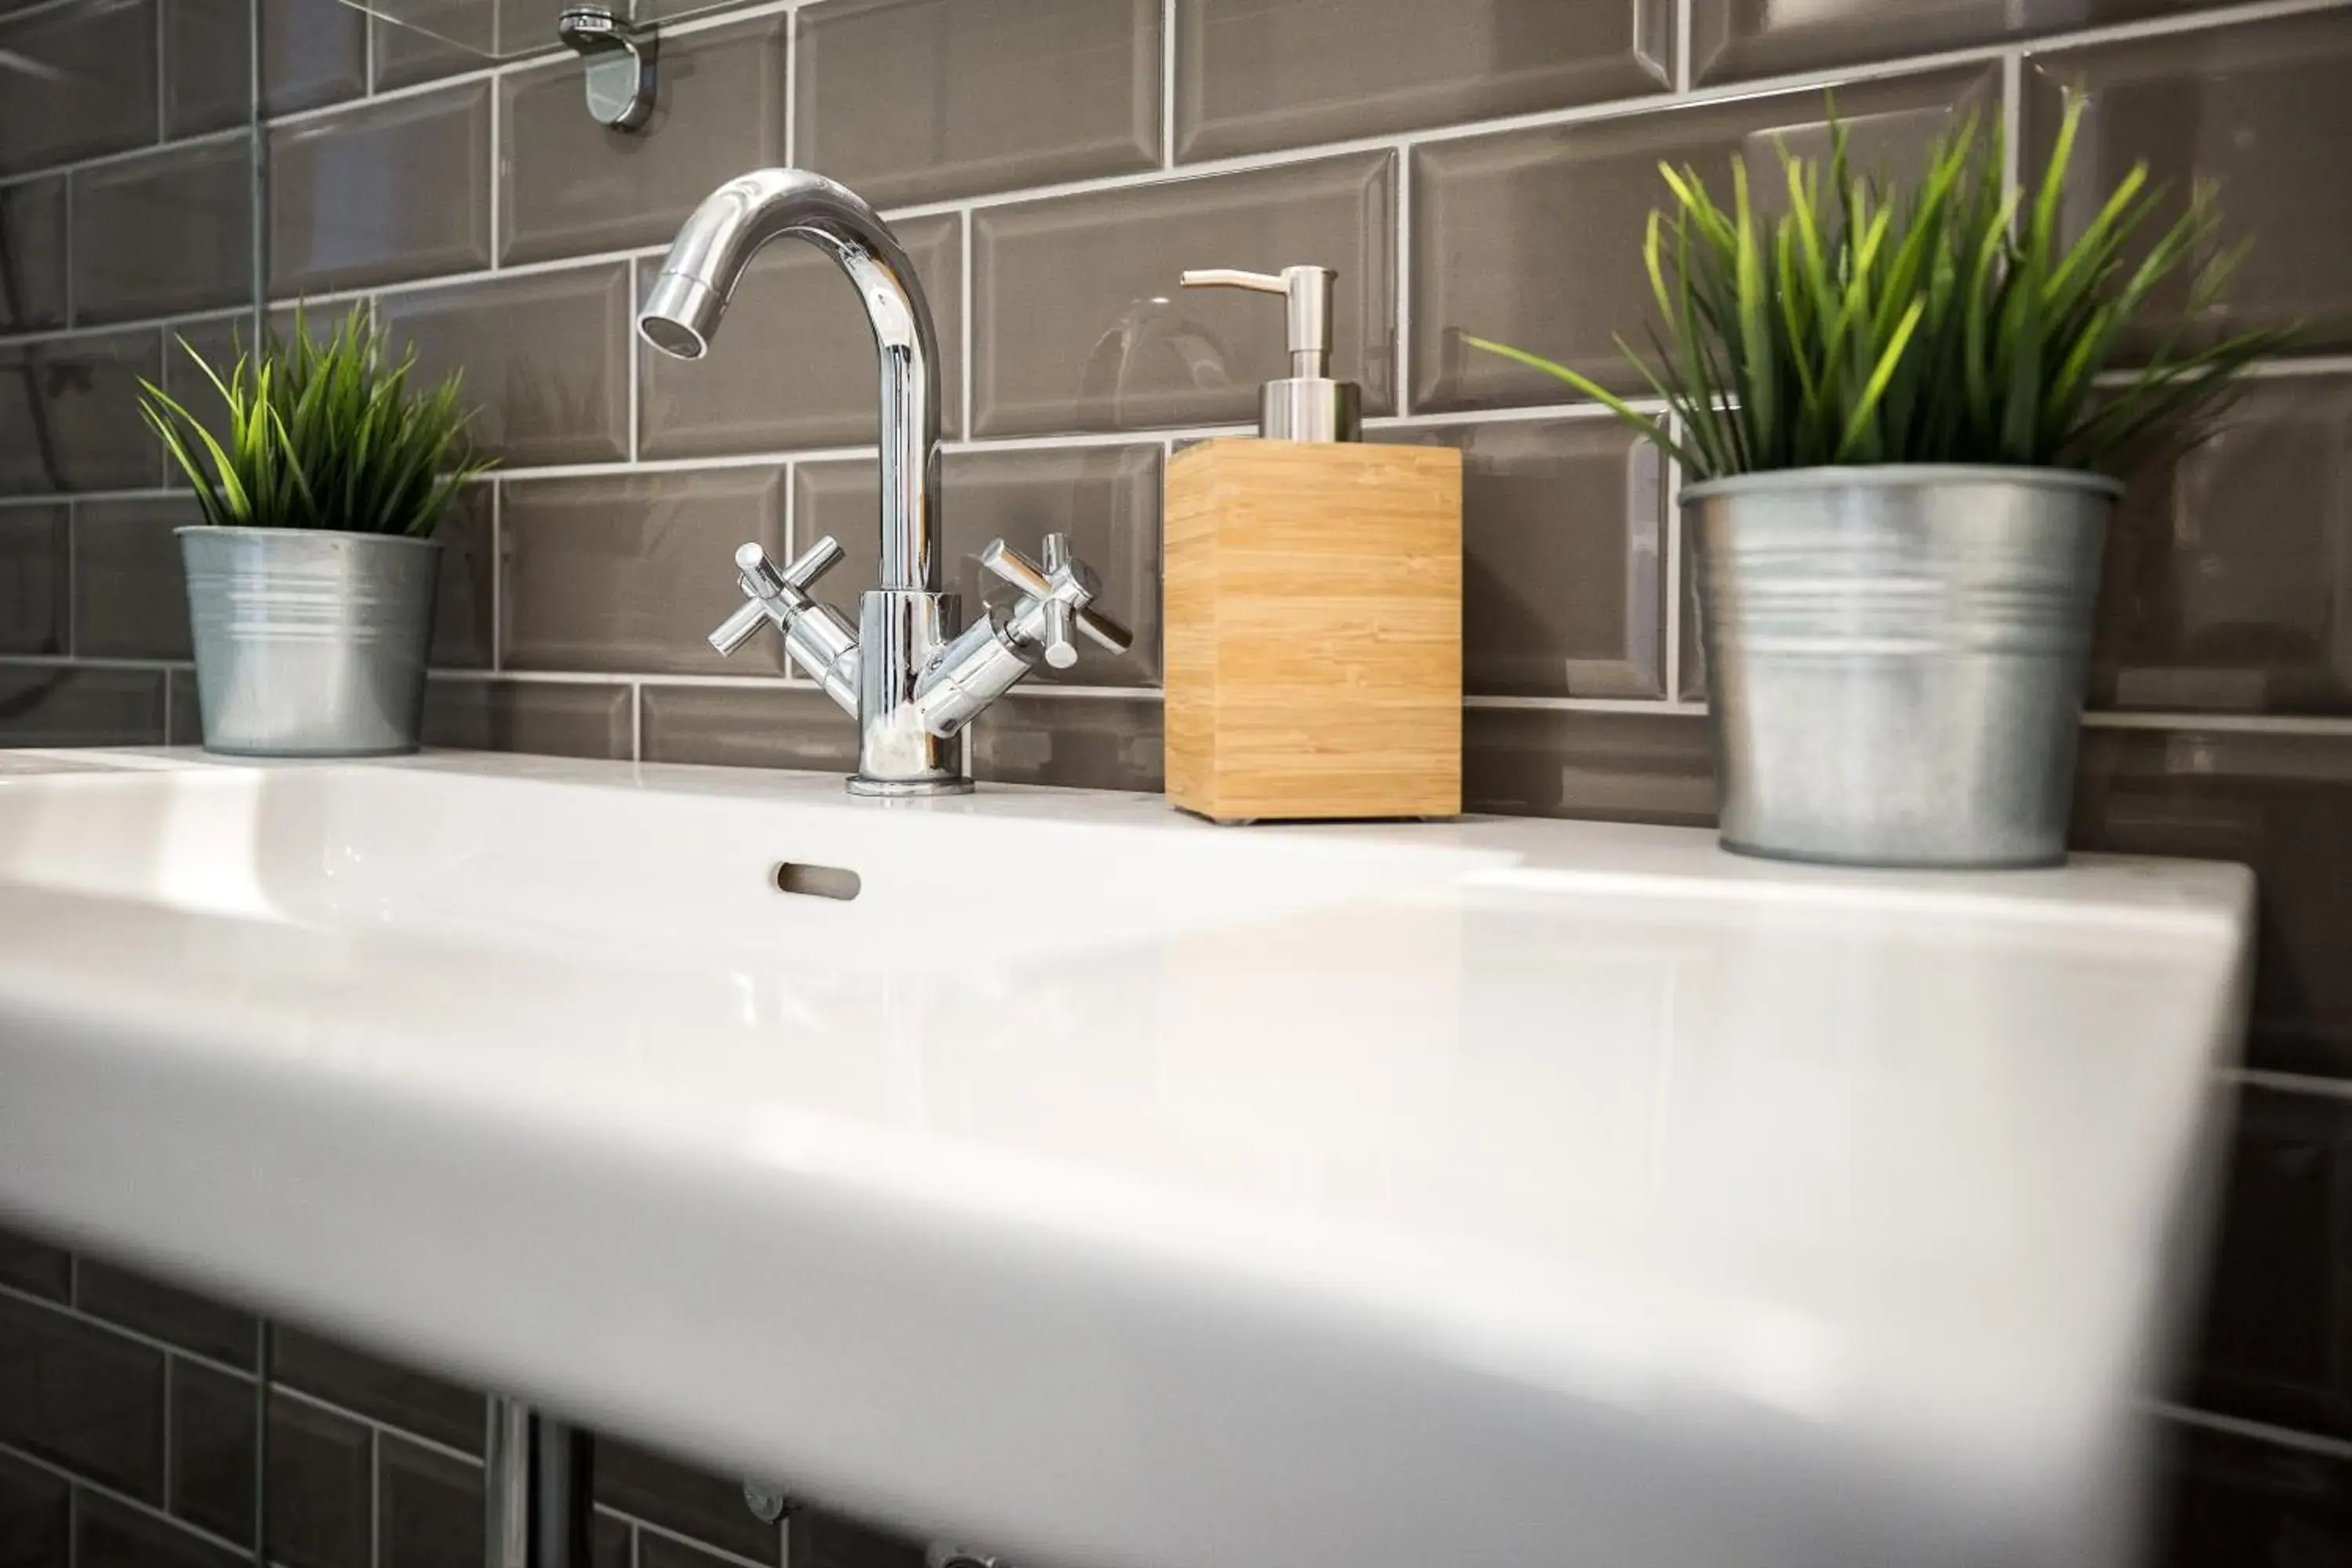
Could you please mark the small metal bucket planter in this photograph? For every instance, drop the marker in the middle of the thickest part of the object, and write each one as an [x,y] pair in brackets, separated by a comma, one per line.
[1896,657]
[309,644]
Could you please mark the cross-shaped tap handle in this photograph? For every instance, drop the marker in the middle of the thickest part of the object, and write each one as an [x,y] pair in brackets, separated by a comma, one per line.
[768,593]
[1063,590]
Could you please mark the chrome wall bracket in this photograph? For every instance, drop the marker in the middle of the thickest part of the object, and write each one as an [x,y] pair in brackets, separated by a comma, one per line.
[619,54]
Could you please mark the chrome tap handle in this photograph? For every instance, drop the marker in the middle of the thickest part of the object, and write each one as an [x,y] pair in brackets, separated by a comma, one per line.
[1064,592]
[773,594]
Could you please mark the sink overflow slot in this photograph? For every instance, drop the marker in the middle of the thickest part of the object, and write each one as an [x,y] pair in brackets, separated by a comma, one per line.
[816,882]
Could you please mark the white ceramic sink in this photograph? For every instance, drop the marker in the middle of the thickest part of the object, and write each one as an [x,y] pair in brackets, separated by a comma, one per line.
[1127,1193]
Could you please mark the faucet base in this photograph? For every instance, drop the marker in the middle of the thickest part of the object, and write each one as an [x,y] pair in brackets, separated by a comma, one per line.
[898,788]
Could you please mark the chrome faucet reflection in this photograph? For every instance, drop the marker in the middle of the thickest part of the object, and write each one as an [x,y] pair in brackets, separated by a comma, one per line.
[905,673]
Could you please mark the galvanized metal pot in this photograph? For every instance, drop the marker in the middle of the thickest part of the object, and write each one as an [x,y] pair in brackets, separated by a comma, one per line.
[1896,659]
[309,644]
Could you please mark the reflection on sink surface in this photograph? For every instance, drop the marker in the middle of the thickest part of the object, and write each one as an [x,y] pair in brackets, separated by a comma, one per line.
[412,847]
[1129,1191]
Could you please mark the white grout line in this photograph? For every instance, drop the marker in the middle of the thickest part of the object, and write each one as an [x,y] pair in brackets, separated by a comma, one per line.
[1400,280]
[417,1439]
[83,1315]
[968,333]
[2291,1082]
[634,366]
[792,87]
[123,1499]
[121,156]
[375,1496]
[2225,723]
[1167,84]
[118,329]
[405,286]
[2261,1431]
[497,574]
[1669,707]
[2013,121]
[162,76]
[1680,70]
[636,721]
[1675,546]
[498,184]
[647,1527]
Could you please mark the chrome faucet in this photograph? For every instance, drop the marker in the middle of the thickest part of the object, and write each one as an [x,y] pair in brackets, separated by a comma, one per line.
[908,677]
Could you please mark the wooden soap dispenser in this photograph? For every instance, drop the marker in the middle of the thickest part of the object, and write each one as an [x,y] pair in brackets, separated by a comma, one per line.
[1312,602]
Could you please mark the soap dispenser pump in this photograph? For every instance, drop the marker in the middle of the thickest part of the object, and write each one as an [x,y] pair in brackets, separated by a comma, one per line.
[1307,404]
[1311,600]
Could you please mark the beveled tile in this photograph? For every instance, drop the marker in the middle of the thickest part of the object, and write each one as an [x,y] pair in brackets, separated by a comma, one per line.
[2229,567]
[1733,40]
[794,364]
[464,601]
[748,727]
[114,1536]
[1079,743]
[212,1450]
[2278,803]
[200,195]
[93,88]
[613,1543]
[1252,77]
[385,192]
[313,53]
[1534,237]
[33,575]
[825,1540]
[32,225]
[384,1390]
[916,101]
[429,1507]
[131,596]
[166,1312]
[207,67]
[69,414]
[661,1552]
[2259,110]
[32,1265]
[50,706]
[2276,1344]
[79,1396]
[319,1495]
[570,720]
[1609,767]
[184,721]
[35,1516]
[1563,544]
[405,56]
[682,1497]
[569,186]
[1107,499]
[631,573]
[545,358]
[2234,1501]
[1079,324]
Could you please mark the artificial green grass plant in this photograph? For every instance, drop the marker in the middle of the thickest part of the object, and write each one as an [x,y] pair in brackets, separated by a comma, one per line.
[322,433]
[1950,321]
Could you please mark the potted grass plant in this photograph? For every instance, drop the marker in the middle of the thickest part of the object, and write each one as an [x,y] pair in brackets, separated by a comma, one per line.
[1899,413]
[311,579]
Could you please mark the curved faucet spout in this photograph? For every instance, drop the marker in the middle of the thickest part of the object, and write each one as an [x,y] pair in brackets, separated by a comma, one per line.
[690,296]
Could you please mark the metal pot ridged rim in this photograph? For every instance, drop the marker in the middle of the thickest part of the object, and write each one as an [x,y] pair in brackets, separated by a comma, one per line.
[307,533]
[1909,476]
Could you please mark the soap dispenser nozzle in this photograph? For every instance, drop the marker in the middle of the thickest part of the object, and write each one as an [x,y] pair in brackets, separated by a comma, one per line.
[1307,404]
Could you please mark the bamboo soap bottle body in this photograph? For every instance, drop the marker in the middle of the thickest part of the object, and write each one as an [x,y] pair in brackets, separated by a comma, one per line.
[1312,606]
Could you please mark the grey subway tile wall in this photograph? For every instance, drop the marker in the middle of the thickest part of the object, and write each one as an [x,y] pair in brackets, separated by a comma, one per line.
[917,100]
[1252,77]
[1470,166]
[569,185]
[1078,323]
[33,283]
